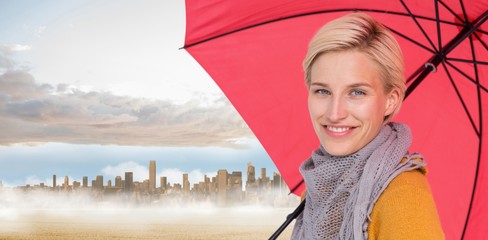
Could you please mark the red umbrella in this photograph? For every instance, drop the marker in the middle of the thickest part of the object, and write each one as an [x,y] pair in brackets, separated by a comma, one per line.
[254,51]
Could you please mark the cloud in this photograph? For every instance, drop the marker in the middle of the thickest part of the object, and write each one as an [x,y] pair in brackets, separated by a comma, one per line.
[31,112]
[7,62]
[140,173]
[10,48]
[175,175]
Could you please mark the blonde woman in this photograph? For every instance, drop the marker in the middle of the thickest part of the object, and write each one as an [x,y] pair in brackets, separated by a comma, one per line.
[361,183]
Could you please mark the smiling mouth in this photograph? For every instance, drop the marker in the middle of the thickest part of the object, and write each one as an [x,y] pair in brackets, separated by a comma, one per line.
[338,129]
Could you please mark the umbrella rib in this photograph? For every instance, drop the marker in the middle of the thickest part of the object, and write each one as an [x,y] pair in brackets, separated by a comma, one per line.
[410,39]
[440,56]
[482,31]
[460,99]
[438,25]
[450,10]
[414,18]
[467,61]
[480,142]
[481,41]
[468,77]
[464,11]
[186,46]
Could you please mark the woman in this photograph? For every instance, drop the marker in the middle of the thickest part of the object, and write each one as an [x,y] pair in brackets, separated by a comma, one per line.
[361,183]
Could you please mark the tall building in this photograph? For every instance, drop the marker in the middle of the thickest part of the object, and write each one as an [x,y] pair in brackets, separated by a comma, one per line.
[264,181]
[222,187]
[235,181]
[152,176]
[118,182]
[66,183]
[163,183]
[99,183]
[85,182]
[251,173]
[235,187]
[54,182]
[263,173]
[128,181]
[1,184]
[186,183]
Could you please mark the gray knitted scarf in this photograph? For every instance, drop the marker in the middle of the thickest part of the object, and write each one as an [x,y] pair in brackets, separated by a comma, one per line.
[341,191]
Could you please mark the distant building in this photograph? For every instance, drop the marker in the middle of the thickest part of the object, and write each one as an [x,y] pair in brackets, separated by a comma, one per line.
[85,181]
[251,174]
[163,183]
[54,182]
[235,181]
[186,183]
[66,183]
[1,184]
[118,182]
[145,186]
[251,185]
[128,181]
[152,176]
[222,187]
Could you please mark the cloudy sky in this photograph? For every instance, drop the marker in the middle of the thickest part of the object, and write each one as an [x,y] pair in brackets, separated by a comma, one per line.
[100,88]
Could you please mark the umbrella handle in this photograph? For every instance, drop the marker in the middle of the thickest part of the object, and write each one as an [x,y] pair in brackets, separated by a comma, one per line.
[288,220]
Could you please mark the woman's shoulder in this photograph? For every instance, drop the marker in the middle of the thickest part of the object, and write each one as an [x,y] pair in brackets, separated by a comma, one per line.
[406,210]
[414,179]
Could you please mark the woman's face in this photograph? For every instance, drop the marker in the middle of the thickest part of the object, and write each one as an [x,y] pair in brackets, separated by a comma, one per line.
[347,102]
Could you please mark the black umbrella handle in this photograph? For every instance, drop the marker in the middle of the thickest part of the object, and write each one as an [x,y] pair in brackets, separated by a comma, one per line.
[288,220]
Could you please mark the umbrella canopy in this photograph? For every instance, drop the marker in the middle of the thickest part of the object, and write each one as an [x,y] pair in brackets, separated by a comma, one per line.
[254,51]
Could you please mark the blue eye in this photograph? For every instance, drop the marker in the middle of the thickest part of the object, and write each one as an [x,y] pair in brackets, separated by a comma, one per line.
[358,93]
[322,92]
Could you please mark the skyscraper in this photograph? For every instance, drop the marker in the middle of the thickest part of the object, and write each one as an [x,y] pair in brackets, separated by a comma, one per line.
[222,186]
[251,174]
[163,183]
[235,181]
[99,183]
[118,182]
[128,181]
[54,182]
[85,182]
[152,175]
[66,183]
[186,183]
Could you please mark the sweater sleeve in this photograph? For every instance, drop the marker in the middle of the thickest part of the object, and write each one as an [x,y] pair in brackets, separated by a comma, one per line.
[406,210]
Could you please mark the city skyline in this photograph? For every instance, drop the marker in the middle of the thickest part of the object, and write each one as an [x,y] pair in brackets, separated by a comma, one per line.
[100,181]
[226,188]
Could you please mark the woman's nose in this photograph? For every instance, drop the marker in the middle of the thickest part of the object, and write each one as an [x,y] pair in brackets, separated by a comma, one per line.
[337,109]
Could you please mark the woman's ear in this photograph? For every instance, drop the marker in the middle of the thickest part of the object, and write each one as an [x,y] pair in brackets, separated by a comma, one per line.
[392,101]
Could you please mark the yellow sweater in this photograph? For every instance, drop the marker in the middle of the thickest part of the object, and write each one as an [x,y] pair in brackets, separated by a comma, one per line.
[405,210]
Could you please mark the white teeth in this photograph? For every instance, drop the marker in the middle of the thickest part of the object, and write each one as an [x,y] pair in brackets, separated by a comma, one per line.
[337,129]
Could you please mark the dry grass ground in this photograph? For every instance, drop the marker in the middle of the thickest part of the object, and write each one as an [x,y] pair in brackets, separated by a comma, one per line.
[171,223]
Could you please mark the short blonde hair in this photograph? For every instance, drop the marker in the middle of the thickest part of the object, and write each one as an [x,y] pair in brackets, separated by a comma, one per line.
[359,31]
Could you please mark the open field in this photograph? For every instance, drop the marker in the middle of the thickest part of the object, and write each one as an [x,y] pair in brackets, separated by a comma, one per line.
[143,223]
